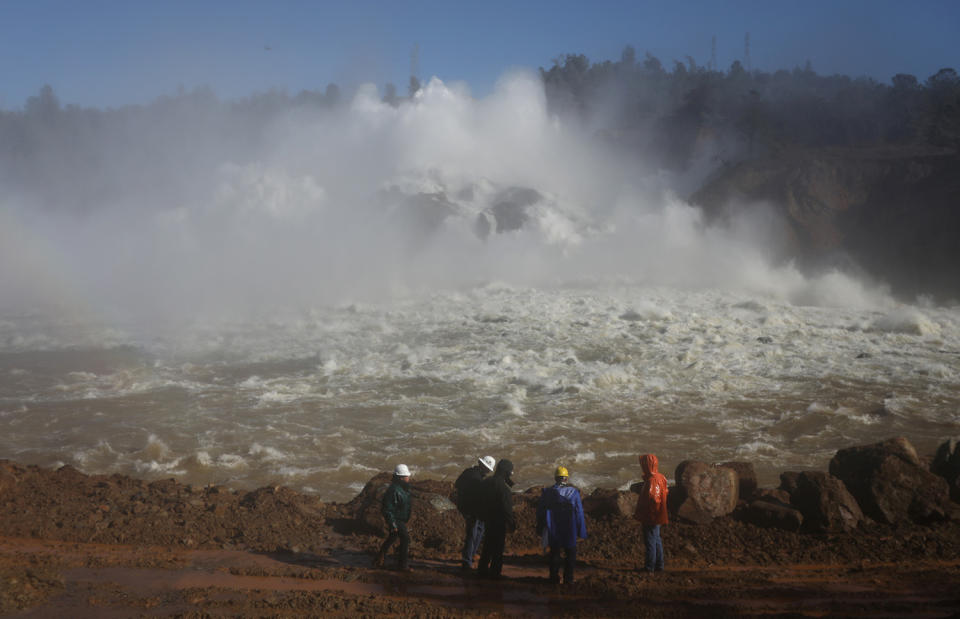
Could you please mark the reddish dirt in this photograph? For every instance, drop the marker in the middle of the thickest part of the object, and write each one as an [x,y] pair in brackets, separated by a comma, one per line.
[73,545]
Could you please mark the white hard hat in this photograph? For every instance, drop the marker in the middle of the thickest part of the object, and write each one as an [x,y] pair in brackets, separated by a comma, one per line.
[488,462]
[401,471]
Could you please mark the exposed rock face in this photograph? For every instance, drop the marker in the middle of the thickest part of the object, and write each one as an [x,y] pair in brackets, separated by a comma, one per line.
[890,484]
[946,464]
[768,512]
[747,476]
[510,205]
[825,503]
[704,491]
[892,211]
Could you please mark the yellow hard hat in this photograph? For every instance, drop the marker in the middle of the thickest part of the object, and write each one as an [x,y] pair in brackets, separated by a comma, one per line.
[561,472]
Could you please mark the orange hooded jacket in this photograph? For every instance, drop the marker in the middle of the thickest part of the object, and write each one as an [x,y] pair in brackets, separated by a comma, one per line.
[652,503]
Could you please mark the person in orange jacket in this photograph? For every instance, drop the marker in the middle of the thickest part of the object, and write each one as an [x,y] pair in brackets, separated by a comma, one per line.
[652,511]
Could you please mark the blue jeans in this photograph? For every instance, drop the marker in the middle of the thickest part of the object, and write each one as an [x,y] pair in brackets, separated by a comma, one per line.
[471,540]
[654,546]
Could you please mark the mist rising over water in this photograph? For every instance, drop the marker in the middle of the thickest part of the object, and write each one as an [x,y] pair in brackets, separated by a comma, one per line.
[182,210]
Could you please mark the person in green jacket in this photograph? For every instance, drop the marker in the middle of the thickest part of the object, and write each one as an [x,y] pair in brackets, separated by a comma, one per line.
[396,512]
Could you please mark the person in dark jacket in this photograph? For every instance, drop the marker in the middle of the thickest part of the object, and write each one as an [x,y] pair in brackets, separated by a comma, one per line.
[496,511]
[468,503]
[560,516]
[396,512]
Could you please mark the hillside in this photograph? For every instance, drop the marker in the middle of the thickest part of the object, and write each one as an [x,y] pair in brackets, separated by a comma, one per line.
[892,212]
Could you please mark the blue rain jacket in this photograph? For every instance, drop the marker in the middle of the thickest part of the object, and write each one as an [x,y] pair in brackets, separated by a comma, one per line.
[560,513]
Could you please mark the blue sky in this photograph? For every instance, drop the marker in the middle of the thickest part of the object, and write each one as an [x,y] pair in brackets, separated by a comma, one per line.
[109,53]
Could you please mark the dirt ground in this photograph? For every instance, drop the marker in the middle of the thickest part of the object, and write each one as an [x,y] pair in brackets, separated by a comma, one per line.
[73,545]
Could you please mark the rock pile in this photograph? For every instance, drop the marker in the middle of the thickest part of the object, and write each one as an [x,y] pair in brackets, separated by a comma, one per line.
[886,482]
[891,484]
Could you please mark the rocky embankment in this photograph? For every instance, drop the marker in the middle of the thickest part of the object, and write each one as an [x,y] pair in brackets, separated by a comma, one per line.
[880,507]
[890,212]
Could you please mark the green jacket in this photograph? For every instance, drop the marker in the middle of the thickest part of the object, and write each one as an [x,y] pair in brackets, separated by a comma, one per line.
[396,503]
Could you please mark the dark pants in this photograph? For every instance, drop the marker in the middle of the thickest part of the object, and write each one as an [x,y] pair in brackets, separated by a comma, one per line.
[654,546]
[491,557]
[471,540]
[401,534]
[569,560]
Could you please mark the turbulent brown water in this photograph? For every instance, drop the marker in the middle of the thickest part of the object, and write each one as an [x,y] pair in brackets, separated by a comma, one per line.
[584,376]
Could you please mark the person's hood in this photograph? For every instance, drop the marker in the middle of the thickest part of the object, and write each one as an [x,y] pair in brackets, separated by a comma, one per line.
[504,471]
[649,464]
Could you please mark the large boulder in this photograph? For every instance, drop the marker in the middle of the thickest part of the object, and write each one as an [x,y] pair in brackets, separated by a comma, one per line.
[604,502]
[946,464]
[777,494]
[825,503]
[890,483]
[705,491]
[747,476]
[788,481]
[769,512]
[434,519]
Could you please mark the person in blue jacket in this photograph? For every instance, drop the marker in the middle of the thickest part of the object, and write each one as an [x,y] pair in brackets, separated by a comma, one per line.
[560,516]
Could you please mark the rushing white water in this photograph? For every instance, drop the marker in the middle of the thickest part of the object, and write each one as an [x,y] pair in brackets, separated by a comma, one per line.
[586,375]
[345,301]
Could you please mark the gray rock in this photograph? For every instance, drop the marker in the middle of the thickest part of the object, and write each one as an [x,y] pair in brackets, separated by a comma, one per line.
[704,491]
[890,483]
[510,207]
[481,226]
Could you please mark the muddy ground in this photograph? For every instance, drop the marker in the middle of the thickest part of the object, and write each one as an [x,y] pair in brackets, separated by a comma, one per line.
[73,545]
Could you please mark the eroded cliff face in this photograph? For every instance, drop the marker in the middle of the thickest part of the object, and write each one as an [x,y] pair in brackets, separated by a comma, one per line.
[893,213]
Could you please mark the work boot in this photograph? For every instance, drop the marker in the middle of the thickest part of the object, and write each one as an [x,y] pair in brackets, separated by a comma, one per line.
[378,560]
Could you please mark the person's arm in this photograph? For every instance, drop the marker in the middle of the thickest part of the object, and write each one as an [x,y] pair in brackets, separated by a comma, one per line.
[507,505]
[541,513]
[581,524]
[390,508]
